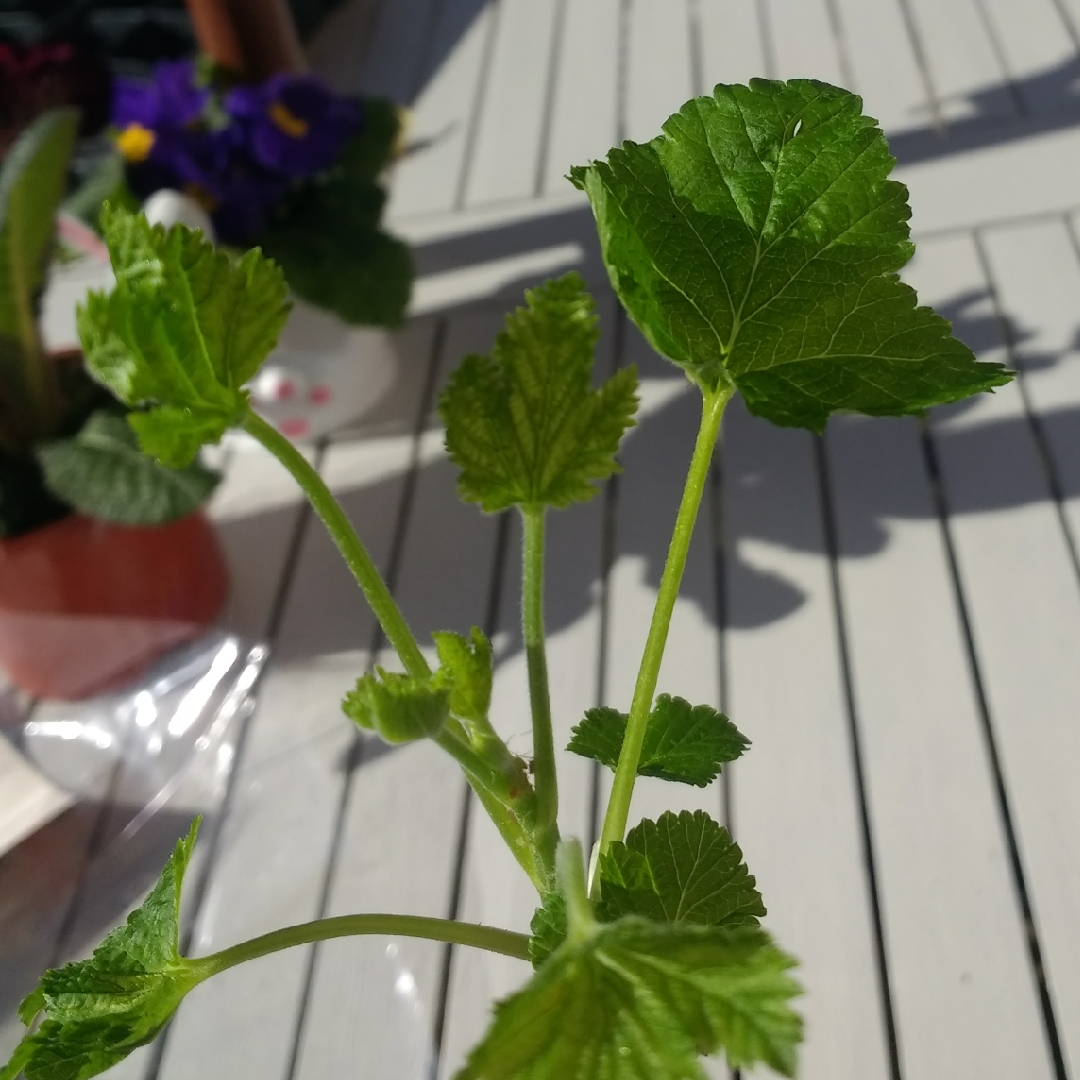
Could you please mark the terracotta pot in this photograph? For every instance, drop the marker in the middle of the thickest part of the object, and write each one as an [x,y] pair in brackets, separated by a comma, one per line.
[84,604]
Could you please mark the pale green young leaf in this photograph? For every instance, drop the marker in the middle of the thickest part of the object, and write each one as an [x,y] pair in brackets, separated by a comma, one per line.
[400,708]
[98,1010]
[757,241]
[523,423]
[32,182]
[181,332]
[683,742]
[466,670]
[680,868]
[103,473]
[638,1001]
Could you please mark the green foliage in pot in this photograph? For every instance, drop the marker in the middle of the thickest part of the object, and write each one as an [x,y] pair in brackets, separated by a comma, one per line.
[756,243]
[64,443]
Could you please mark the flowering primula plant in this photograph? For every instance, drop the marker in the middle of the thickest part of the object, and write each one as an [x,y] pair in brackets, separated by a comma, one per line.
[286,164]
[756,244]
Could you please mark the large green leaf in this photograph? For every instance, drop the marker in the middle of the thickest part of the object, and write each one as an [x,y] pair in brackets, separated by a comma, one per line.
[103,473]
[98,1010]
[182,331]
[757,241]
[32,182]
[638,1001]
[523,423]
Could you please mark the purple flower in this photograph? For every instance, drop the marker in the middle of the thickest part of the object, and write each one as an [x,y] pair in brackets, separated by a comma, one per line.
[293,124]
[170,100]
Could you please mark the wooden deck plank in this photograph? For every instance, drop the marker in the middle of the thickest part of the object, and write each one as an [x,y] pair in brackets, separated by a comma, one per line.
[800,832]
[514,109]
[965,68]
[730,43]
[428,179]
[393,65]
[1035,44]
[585,108]
[804,44]
[659,72]
[961,985]
[273,851]
[884,66]
[1020,583]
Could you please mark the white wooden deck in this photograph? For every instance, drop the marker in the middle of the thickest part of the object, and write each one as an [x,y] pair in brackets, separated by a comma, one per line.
[891,613]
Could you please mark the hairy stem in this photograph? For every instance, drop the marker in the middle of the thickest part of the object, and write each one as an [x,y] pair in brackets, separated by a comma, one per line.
[623,788]
[580,920]
[359,561]
[532,621]
[481,937]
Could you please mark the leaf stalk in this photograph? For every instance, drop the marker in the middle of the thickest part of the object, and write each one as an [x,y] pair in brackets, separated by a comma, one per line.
[532,620]
[350,545]
[622,790]
[505,942]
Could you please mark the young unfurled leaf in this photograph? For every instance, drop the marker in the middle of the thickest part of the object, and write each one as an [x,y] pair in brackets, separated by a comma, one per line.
[181,332]
[547,930]
[681,868]
[638,1001]
[466,671]
[401,708]
[757,240]
[103,473]
[98,1010]
[683,742]
[523,424]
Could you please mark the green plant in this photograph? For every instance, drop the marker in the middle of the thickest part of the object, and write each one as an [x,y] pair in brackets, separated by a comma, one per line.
[63,442]
[756,242]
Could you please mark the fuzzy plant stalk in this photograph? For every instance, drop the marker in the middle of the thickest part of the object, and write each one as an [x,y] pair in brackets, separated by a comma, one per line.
[756,244]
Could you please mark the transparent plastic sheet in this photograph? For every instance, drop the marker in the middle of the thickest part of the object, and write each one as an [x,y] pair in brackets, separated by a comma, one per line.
[137,764]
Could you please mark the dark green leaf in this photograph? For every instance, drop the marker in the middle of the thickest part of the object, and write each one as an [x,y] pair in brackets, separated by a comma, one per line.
[523,424]
[681,868]
[102,472]
[757,240]
[32,181]
[466,670]
[683,742]
[182,331]
[637,1001]
[399,707]
[98,1010]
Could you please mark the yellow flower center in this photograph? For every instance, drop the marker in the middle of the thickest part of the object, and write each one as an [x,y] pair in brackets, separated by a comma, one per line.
[135,143]
[288,122]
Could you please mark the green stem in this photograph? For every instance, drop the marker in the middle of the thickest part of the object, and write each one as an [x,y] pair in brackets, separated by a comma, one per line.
[482,937]
[359,561]
[580,920]
[626,773]
[532,621]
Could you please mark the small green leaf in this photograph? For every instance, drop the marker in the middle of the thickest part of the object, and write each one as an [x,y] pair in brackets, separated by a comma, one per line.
[637,1001]
[103,473]
[548,928]
[757,241]
[98,1010]
[683,742]
[681,868]
[399,707]
[182,331]
[466,671]
[32,182]
[523,424]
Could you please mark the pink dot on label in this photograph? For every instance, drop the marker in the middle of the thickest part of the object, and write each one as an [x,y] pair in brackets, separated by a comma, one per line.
[286,390]
[294,428]
[320,394]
